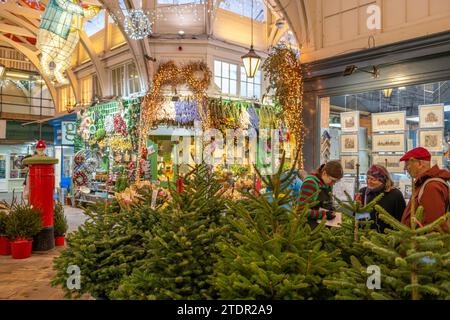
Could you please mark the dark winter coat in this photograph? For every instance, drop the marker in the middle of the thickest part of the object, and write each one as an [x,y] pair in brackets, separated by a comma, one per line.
[393,202]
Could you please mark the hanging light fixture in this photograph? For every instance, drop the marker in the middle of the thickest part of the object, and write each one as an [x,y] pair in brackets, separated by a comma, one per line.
[387,92]
[251,60]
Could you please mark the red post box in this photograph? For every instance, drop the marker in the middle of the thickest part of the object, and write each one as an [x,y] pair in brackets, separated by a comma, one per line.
[42,184]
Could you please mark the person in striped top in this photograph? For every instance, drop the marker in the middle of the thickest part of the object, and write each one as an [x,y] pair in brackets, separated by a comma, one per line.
[318,187]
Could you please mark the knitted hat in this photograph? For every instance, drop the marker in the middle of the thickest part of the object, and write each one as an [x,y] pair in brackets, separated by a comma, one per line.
[379,173]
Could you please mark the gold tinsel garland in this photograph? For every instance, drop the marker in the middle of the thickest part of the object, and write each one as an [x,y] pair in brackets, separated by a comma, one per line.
[284,71]
[198,78]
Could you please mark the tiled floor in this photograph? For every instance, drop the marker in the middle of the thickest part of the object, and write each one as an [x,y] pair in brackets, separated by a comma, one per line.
[30,278]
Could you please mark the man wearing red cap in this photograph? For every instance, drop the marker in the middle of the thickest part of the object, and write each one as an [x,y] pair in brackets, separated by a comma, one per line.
[431,187]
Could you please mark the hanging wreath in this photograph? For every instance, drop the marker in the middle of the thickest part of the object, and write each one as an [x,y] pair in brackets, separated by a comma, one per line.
[80,179]
[79,159]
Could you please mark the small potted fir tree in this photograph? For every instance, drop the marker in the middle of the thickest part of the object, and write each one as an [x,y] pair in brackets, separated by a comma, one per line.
[23,223]
[5,245]
[60,224]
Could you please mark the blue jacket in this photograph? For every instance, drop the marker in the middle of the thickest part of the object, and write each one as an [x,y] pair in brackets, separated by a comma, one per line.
[58,17]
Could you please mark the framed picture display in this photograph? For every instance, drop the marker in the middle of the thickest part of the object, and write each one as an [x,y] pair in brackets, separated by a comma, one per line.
[388,142]
[437,160]
[349,143]
[432,140]
[390,162]
[431,116]
[350,121]
[389,121]
[349,164]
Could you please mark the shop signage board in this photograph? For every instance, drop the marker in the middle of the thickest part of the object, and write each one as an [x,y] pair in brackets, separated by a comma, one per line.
[68,132]
[389,121]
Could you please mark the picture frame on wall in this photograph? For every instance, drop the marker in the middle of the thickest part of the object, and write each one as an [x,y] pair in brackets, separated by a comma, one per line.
[389,121]
[431,116]
[350,121]
[394,142]
[432,140]
[390,162]
[437,160]
[349,143]
[349,164]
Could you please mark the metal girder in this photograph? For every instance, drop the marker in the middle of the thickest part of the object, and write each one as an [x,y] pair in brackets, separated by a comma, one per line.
[138,48]
[32,56]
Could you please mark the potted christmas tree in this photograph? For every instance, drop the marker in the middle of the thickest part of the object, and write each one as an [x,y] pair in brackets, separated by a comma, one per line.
[23,223]
[60,224]
[5,245]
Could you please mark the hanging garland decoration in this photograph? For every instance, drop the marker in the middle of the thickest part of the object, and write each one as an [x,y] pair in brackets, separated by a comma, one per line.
[284,71]
[168,74]
[198,78]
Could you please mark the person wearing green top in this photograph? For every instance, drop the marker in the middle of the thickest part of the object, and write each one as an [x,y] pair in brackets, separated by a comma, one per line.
[318,187]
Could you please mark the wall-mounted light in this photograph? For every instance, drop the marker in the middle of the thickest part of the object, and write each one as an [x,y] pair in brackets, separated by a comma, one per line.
[2,70]
[349,70]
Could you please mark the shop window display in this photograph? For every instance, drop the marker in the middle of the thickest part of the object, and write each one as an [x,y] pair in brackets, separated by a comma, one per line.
[378,127]
[17,171]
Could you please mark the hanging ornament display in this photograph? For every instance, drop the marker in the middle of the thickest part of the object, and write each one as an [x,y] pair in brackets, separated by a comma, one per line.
[91,164]
[58,35]
[119,125]
[186,112]
[109,123]
[137,25]
[167,112]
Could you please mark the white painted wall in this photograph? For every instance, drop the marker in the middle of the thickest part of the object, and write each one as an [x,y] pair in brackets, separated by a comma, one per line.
[340,26]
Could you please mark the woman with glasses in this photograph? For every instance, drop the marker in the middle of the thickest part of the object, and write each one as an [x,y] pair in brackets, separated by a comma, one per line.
[319,187]
[379,181]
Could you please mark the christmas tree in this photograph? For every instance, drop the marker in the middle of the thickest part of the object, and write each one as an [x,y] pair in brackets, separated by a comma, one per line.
[273,253]
[181,252]
[413,263]
[106,247]
[347,237]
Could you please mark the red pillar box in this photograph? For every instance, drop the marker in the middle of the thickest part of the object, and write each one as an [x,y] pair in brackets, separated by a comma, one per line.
[42,184]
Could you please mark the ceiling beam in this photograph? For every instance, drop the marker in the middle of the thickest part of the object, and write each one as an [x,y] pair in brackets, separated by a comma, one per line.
[15,30]
[32,56]
[18,21]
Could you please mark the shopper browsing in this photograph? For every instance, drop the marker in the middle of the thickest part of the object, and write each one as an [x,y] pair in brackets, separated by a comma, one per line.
[319,187]
[431,187]
[378,182]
